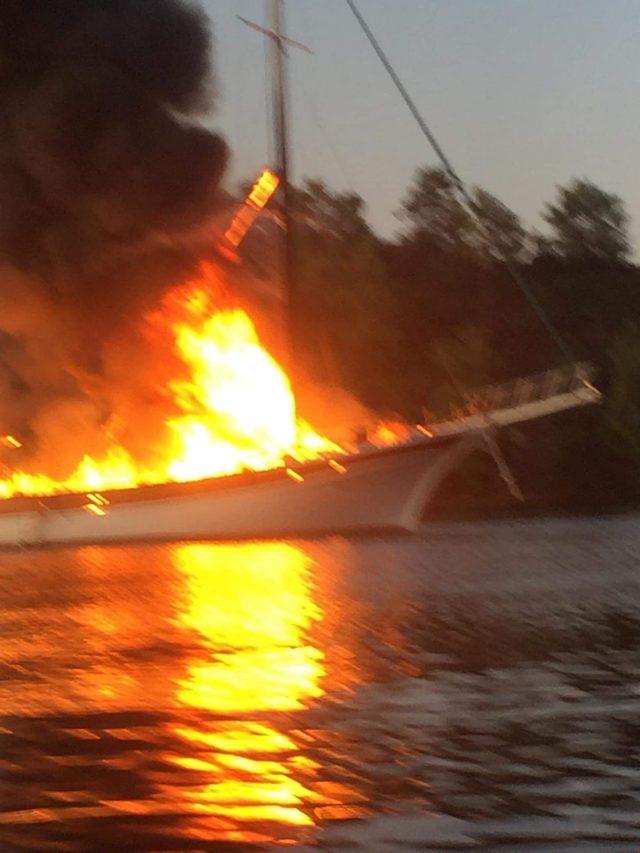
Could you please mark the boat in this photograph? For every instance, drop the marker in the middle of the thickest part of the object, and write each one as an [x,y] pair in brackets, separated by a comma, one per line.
[371,488]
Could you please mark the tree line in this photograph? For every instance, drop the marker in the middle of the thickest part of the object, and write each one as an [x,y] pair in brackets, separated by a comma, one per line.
[405,324]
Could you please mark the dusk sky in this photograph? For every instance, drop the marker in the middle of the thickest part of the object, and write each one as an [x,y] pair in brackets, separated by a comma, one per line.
[522,95]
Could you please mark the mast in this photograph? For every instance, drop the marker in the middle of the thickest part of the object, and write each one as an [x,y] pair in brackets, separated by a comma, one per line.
[280,104]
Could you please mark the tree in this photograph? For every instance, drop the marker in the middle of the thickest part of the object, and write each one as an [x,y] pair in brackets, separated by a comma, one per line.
[432,209]
[339,214]
[623,400]
[502,234]
[346,307]
[588,223]
[466,361]
[489,229]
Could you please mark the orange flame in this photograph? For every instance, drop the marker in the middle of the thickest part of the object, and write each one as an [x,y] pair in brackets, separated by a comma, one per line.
[10,441]
[239,409]
[235,409]
[260,194]
[233,405]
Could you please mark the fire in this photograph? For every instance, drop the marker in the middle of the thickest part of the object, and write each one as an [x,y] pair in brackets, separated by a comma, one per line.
[10,441]
[239,408]
[388,433]
[261,192]
[234,407]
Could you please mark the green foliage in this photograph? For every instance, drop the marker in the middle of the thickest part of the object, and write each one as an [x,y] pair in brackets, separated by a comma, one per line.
[340,215]
[466,360]
[588,223]
[432,209]
[421,322]
[348,314]
[502,234]
[623,398]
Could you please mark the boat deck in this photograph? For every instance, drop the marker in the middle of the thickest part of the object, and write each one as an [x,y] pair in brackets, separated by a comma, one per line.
[159,491]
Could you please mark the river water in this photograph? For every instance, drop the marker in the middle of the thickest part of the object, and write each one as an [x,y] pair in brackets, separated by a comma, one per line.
[477,686]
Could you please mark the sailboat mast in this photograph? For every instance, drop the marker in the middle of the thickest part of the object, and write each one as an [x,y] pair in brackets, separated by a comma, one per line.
[280,99]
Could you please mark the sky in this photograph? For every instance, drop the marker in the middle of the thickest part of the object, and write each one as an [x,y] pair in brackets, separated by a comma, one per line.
[522,95]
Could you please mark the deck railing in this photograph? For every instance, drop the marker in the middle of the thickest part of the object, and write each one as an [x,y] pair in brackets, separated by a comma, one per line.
[550,383]
[529,397]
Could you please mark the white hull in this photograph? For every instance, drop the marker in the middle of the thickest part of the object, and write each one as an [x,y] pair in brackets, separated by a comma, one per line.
[383,490]
[374,490]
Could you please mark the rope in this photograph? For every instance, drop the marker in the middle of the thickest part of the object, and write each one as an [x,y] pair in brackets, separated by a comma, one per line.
[493,448]
[461,189]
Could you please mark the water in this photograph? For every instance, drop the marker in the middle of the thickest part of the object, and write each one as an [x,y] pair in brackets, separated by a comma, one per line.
[478,686]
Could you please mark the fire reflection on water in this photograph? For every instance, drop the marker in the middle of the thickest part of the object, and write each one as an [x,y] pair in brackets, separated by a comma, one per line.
[175,684]
[252,607]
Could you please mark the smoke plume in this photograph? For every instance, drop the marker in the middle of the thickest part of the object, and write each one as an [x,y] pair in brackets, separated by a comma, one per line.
[104,168]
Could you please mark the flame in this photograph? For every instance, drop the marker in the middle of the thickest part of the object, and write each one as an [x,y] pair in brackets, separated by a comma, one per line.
[10,441]
[239,409]
[388,433]
[116,470]
[260,194]
[234,406]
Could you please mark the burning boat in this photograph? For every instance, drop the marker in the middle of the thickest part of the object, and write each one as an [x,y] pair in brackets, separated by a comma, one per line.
[234,460]
[371,489]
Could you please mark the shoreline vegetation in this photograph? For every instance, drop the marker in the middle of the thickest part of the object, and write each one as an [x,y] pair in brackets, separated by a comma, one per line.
[415,321]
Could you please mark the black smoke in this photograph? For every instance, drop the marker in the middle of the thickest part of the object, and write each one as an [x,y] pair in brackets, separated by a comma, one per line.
[99,152]
[105,165]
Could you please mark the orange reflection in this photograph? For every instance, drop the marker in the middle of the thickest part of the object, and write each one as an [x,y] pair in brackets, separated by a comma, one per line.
[82,648]
[252,606]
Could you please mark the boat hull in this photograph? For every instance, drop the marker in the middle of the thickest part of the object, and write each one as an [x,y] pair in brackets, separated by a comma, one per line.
[379,491]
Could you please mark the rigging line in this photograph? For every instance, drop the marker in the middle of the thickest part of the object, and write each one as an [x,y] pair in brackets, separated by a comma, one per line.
[314,113]
[493,448]
[461,188]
